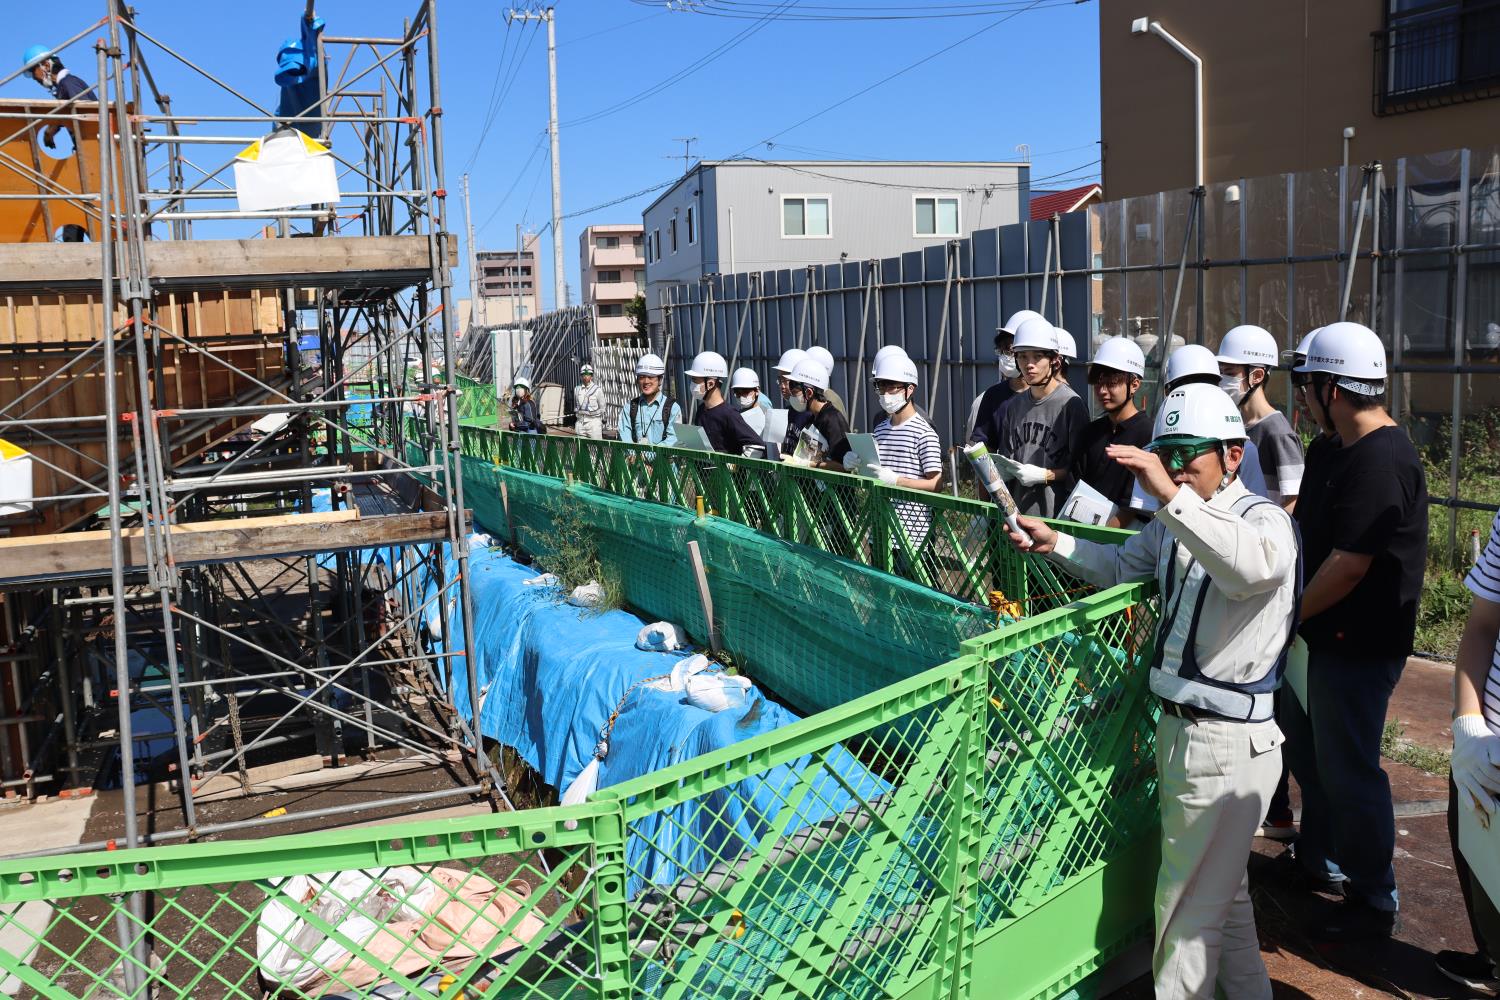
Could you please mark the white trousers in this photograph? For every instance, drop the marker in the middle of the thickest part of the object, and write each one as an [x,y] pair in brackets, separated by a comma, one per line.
[589,427]
[1216,781]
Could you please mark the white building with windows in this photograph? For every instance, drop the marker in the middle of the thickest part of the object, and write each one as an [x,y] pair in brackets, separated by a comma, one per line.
[725,216]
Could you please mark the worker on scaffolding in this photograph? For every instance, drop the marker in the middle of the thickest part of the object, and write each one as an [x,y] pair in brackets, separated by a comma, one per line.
[48,70]
[524,416]
[588,404]
[652,416]
[723,425]
[744,386]
[1227,564]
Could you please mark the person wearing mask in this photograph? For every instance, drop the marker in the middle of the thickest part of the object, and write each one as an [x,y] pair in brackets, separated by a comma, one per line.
[650,417]
[891,351]
[1475,779]
[910,454]
[524,416]
[724,426]
[1226,563]
[825,357]
[796,420]
[48,70]
[1036,435]
[1363,514]
[1247,356]
[825,440]
[1115,376]
[744,386]
[588,404]
[982,410]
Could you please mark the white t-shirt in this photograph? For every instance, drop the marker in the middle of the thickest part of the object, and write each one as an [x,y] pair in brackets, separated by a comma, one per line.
[1484,582]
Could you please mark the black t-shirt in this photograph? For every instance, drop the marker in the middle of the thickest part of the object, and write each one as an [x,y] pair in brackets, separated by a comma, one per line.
[1100,471]
[726,429]
[835,430]
[990,402]
[795,421]
[1369,498]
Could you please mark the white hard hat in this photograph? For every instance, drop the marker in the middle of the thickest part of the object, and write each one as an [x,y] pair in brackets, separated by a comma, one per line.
[745,378]
[895,367]
[1191,359]
[1198,411]
[1012,326]
[789,360]
[1248,345]
[708,364]
[650,364]
[1066,345]
[522,380]
[1120,354]
[823,356]
[1035,335]
[586,369]
[888,351]
[1350,351]
[810,371]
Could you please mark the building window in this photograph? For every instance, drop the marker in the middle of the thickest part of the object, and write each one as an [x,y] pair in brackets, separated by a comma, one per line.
[637,241]
[611,309]
[673,231]
[692,228]
[609,243]
[935,216]
[805,216]
[656,244]
[1436,52]
[640,282]
[1098,267]
[609,277]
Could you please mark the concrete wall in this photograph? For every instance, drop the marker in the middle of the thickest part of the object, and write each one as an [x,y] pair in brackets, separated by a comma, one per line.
[1282,80]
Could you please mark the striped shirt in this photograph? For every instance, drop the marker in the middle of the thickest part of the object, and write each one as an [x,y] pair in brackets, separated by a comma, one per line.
[1484,581]
[910,449]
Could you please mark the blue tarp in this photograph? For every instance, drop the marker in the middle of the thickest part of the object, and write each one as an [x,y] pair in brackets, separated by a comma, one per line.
[297,76]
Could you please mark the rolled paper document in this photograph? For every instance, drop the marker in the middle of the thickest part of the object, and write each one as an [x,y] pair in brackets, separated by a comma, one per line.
[984,468]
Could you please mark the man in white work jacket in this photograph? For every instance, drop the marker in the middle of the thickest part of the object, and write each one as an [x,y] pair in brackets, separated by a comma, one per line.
[1226,562]
[588,404]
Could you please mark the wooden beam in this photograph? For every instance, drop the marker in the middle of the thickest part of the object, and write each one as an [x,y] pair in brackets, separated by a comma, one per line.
[76,554]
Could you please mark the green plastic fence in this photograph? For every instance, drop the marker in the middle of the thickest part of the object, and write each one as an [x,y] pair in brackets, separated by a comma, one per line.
[1011,855]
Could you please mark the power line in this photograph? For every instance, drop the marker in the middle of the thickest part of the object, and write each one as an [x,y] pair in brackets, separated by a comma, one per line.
[826,12]
[988,185]
[605,31]
[515,71]
[513,184]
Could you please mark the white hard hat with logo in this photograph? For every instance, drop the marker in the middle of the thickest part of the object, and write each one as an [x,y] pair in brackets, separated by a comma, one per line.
[1295,357]
[810,371]
[1012,326]
[745,378]
[895,368]
[586,369]
[1035,335]
[1120,354]
[822,355]
[1066,345]
[1197,412]
[650,364]
[708,364]
[1248,345]
[789,360]
[1191,359]
[1352,353]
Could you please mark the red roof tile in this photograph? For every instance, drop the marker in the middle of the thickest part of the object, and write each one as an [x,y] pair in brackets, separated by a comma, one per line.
[1044,206]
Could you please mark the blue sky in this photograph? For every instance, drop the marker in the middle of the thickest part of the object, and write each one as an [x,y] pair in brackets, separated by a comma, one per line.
[1032,78]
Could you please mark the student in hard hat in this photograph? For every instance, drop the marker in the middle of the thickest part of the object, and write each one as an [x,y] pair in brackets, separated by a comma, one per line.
[588,404]
[824,442]
[48,70]
[825,357]
[1363,514]
[524,416]
[893,351]
[1037,434]
[1474,782]
[650,417]
[1115,376]
[910,453]
[744,386]
[1067,348]
[1226,563]
[1247,357]
[796,420]
[986,404]
[724,426]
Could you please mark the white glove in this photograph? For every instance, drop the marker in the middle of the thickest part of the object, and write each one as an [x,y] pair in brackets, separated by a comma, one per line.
[1031,475]
[880,472]
[851,460]
[1476,766]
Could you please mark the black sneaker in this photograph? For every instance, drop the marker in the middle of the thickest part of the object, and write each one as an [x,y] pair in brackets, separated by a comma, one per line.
[1287,870]
[1472,970]
[1355,921]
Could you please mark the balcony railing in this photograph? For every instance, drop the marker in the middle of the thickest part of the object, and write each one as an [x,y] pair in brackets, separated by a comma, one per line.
[624,255]
[1444,53]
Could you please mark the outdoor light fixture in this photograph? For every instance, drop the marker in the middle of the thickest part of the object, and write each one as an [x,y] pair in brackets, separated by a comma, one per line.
[1145,25]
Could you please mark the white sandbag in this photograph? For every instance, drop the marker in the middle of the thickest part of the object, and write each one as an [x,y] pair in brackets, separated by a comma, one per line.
[545,580]
[716,691]
[687,667]
[662,637]
[588,595]
[581,788]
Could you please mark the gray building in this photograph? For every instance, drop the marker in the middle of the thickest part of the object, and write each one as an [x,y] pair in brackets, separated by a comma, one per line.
[726,216]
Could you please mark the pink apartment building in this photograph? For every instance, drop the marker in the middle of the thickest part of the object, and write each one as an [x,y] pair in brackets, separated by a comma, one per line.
[612,271]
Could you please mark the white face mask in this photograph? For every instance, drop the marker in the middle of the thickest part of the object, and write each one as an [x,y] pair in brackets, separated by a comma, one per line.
[1008,367]
[892,402]
[744,402]
[698,390]
[1233,387]
[797,402]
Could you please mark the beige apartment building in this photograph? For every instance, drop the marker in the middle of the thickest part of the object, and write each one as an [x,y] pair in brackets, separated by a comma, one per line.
[508,291]
[1284,79]
[612,271]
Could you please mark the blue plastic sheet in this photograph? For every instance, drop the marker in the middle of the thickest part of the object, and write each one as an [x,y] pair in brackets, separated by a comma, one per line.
[297,76]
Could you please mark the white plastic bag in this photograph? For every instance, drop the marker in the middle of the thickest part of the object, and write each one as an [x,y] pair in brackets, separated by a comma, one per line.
[662,637]
[588,595]
[714,692]
[545,580]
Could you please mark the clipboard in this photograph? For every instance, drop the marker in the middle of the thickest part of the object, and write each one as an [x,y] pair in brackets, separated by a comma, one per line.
[865,450]
[691,436]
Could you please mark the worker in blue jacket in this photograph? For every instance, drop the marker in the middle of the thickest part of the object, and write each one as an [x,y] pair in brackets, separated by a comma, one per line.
[48,70]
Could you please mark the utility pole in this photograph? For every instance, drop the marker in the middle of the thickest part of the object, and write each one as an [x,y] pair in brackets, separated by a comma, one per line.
[687,152]
[559,289]
[474,318]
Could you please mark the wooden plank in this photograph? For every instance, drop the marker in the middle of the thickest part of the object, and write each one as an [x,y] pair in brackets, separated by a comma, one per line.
[86,553]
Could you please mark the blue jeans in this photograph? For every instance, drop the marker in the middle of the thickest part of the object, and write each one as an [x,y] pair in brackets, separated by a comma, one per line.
[1348,827]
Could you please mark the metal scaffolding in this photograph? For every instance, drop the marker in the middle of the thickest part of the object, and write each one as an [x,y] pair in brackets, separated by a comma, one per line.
[275,551]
